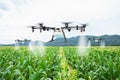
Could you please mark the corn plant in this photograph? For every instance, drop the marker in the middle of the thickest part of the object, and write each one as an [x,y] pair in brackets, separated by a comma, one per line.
[60,64]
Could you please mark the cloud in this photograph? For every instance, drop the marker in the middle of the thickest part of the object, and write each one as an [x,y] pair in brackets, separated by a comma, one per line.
[3,7]
[16,15]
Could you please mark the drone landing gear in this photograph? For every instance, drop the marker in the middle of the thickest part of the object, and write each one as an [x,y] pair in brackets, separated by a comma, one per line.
[63,35]
[52,38]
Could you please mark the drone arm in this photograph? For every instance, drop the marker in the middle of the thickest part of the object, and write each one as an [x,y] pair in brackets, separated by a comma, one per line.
[48,28]
[34,27]
[72,27]
[51,28]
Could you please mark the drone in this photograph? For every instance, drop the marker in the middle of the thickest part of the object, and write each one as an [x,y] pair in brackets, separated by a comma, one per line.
[66,26]
[18,40]
[96,39]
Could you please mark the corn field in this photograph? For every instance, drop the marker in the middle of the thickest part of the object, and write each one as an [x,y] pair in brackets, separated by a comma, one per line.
[60,63]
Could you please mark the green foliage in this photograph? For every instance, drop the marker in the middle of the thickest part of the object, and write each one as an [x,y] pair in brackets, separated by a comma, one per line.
[60,64]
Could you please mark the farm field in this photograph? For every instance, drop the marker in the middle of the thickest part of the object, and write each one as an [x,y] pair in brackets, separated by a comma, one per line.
[60,63]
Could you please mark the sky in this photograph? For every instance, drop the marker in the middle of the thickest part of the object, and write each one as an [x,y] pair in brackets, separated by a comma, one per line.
[102,16]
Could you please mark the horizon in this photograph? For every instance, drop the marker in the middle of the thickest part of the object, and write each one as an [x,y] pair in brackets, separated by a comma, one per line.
[59,38]
[102,16]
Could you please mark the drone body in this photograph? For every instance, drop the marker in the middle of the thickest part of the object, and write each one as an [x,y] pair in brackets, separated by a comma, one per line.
[61,29]
[25,40]
[96,39]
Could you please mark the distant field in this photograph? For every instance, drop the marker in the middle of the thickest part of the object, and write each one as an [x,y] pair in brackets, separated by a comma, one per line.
[60,63]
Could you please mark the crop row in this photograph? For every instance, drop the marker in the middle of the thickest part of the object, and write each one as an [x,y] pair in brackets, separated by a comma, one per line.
[60,63]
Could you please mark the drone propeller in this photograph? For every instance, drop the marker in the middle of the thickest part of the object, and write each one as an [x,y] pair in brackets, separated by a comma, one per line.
[84,25]
[40,24]
[66,24]
[33,27]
